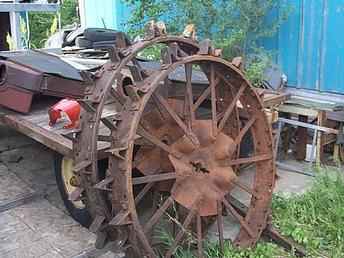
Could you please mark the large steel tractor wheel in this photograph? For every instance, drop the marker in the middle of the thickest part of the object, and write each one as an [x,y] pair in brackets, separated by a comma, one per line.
[174,153]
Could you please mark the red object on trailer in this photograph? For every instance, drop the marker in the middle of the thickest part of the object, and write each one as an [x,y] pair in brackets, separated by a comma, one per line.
[66,107]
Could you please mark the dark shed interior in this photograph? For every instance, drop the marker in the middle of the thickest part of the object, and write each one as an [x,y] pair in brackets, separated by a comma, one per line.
[4,29]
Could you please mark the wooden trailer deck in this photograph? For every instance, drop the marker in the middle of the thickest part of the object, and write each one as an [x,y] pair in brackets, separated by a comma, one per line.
[36,124]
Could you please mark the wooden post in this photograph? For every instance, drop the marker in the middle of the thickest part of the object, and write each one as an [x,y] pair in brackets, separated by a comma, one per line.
[286,134]
[15,28]
[321,140]
[302,139]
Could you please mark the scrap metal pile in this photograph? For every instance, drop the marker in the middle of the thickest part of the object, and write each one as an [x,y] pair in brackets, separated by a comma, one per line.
[176,160]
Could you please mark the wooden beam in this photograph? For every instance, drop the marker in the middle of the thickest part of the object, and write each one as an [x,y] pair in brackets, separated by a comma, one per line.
[302,139]
[310,126]
[298,110]
[275,100]
[320,139]
[52,140]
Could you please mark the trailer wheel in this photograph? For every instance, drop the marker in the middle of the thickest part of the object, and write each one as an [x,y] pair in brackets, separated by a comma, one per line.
[64,178]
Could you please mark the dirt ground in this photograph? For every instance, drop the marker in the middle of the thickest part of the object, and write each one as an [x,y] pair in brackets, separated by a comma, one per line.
[42,227]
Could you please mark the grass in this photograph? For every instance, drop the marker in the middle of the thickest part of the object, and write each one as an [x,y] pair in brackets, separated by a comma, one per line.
[314,219]
[262,250]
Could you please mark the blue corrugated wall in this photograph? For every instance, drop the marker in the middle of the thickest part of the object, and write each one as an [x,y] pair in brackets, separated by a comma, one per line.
[114,13]
[309,45]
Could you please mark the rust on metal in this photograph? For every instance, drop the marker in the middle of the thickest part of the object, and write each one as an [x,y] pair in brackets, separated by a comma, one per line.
[174,159]
[28,73]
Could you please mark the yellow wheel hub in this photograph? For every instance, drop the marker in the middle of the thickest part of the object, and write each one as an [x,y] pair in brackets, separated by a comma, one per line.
[70,180]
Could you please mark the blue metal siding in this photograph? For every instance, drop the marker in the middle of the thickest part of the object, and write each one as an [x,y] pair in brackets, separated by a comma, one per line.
[309,45]
[332,65]
[288,41]
[114,13]
[97,11]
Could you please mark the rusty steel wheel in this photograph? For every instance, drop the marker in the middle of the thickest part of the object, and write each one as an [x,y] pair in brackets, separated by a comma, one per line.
[175,164]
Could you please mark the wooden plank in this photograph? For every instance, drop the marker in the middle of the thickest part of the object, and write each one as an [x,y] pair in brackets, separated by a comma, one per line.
[50,139]
[274,100]
[298,110]
[36,126]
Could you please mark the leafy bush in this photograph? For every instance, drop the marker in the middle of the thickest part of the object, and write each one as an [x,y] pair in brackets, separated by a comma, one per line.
[42,24]
[236,26]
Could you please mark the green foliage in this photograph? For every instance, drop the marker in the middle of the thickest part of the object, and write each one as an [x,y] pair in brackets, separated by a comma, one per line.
[315,219]
[256,65]
[212,250]
[236,26]
[42,25]
[262,250]
[152,53]
[10,42]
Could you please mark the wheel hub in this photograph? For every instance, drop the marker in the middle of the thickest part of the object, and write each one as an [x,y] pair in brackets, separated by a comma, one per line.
[202,178]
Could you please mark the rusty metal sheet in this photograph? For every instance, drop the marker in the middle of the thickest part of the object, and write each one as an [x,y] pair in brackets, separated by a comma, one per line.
[16,99]
[43,62]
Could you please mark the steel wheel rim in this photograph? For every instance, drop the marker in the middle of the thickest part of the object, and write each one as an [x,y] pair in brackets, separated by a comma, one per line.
[122,215]
[85,147]
[241,239]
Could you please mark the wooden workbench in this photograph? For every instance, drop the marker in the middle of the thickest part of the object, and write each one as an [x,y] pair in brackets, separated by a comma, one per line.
[310,108]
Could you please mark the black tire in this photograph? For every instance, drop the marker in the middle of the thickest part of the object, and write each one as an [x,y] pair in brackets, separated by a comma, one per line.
[81,215]
[98,34]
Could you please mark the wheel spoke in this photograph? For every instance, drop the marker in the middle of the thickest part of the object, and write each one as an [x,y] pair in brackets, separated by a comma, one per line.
[189,95]
[163,114]
[245,188]
[241,220]
[244,130]
[181,233]
[157,215]
[176,118]
[199,236]
[220,227]
[156,141]
[154,178]
[213,100]
[144,241]
[231,106]
[143,192]
[204,95]
[237,118]
[252,159]
[105,138]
